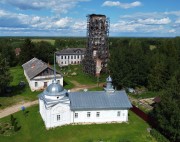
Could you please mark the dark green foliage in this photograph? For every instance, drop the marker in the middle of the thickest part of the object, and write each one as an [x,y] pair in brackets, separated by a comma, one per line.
[5,76]
[133,63]
[8,51]
[128,65]
[14,123]
[167,111]
[12,120]
[159,137]
[27,51]
[44,51]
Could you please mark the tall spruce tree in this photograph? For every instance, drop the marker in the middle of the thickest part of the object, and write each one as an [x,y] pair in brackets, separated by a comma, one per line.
[5,76]
[166,113]
[128,66]
[27,51]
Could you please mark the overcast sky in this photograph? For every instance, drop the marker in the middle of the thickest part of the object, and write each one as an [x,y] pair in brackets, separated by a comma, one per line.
[143,18]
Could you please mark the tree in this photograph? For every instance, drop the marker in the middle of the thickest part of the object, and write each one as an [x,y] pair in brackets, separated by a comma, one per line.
[45,51]
[166,113]
[27,51]
[128,66]
[5,76]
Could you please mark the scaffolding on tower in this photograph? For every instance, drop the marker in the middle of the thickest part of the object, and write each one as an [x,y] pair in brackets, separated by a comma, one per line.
[97,48]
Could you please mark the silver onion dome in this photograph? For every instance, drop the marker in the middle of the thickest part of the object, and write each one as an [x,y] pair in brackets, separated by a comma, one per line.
[54,89]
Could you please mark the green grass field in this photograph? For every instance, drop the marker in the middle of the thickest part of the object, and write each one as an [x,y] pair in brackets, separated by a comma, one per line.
[81,77]
[147,94]
[18,94]
[33,130]
[51,41]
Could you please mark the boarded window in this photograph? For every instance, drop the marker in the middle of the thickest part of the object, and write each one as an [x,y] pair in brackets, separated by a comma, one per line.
[45,84]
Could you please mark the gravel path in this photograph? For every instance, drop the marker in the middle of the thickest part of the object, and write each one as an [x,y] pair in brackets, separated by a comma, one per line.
[10,110]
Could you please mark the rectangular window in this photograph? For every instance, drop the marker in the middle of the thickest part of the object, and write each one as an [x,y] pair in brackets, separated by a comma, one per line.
[97,114]
[78,56]
[58,117]
[45,84]
[36,84]
[118,113]
[76,115]
[88,114]
[65,57]
[61,57]
[58,81]
[71,57]
[75,57]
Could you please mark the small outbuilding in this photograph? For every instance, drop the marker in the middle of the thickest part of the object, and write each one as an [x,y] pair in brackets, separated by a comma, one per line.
[39,74]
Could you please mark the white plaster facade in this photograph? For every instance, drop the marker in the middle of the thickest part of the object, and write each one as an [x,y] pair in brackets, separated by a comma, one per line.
[41,82]
[65,60]
[100,116]
[70,56]
[55,116]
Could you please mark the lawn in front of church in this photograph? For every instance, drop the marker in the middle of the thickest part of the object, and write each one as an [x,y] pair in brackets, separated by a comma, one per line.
[33,130]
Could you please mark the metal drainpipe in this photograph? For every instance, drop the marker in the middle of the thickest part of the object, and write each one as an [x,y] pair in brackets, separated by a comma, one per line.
[73,116]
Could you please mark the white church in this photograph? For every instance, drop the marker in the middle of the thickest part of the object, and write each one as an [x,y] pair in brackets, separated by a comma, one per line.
[59,107]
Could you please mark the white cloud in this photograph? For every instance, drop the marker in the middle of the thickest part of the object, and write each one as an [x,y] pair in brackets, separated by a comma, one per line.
[80,25]
[63,22]
[121,5]
[172,31]
[2,13]
[177,21]
[152,21]
[58,6]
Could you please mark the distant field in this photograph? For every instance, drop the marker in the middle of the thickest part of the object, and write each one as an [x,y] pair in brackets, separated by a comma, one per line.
[151,47]
[51,41]
[33,130]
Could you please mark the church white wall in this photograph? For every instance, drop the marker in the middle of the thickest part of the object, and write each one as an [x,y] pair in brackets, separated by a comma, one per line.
[104,116]
[63,111]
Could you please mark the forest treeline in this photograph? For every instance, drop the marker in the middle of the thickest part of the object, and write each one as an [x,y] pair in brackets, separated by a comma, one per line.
[153,63]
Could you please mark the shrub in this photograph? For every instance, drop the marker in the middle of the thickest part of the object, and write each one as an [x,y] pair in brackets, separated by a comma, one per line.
[158,136]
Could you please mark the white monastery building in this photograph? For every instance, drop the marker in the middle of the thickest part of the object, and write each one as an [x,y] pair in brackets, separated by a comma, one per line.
[59,107]
[70,56]
[39,74]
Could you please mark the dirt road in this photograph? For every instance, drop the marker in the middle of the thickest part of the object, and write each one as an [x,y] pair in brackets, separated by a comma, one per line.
[15,108]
